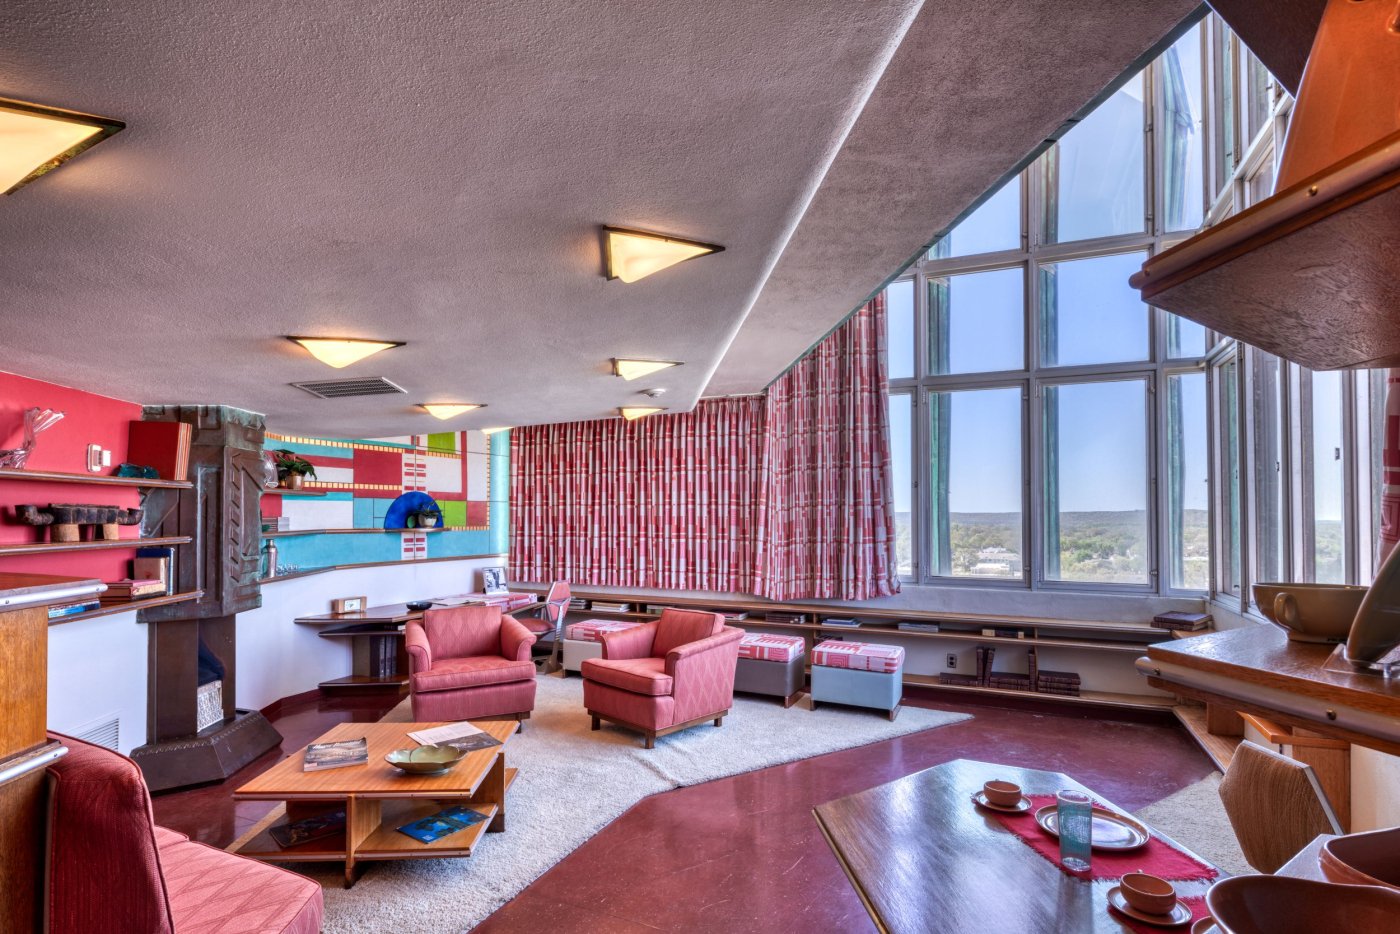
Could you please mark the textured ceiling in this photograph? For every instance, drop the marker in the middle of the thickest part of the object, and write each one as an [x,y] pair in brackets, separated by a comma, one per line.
[435,173]
[973,89]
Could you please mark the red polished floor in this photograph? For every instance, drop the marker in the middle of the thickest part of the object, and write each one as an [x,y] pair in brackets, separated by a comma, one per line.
[743,853]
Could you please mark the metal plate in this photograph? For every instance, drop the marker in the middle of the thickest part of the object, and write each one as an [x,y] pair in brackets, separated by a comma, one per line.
[1110,831]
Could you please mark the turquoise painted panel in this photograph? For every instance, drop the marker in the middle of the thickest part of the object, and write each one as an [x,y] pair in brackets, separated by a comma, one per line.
[319,551]
[500,527]
[322,450]
[455,544]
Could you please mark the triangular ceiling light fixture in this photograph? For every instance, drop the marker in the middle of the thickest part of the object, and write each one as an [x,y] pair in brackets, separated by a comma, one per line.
[342,351]
[35,140]
[634,412]
[446,410]
[636,254]
[631,369]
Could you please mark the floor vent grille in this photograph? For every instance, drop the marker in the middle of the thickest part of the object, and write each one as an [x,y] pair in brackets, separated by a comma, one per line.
[105,733]
[345,388]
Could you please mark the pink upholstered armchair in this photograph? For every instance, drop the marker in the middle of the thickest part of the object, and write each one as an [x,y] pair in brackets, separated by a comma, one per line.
[470,663]
[664,676]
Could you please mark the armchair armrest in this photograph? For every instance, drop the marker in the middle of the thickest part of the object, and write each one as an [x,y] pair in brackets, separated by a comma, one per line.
[420,651]
[686,656]
[630,643]
[515,639]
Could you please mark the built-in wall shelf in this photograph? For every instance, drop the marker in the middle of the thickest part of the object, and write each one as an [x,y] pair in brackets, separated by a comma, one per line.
[283,491]
[55,476]
[1094,698]
[48,548]
[143,603]
[292,532]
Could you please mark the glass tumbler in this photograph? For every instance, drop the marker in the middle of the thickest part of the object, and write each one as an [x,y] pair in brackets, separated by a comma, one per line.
[1074,810]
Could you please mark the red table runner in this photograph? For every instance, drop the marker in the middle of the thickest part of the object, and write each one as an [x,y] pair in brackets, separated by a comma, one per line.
[1157,857]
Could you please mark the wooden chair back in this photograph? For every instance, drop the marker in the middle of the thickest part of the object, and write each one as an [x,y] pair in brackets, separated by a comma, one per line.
[1275,805]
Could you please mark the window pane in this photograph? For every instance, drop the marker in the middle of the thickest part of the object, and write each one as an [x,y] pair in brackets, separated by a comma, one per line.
[1378,383]
[1224,84]
[1270,457]
[901,455]
[1096,482]
[1183,138]
[1185,338]
[1261,183]
[1258,83]
[1188,494]
[977,322]
[899,313]
[1327,553]
[995,225]
[1229,415]
[977,482]
[1094,174]
[1089,313]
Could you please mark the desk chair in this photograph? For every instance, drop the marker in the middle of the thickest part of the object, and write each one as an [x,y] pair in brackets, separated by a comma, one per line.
[1275,805]
[550,623]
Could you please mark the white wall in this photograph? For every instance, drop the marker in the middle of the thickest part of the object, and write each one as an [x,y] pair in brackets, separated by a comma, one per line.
[97,667]
[97,671]
[278,658]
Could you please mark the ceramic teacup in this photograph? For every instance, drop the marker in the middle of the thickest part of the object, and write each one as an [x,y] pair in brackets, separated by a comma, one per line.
[1147,893]
[1002,794]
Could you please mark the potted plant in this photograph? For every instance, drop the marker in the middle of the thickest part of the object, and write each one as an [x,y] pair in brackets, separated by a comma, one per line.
[292,470]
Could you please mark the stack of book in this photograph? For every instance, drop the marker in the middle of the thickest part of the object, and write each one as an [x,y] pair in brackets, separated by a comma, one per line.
[579,604]
[65,610]
[952,677]
[608,606]
[984,663]
[1008,681]
[322,756]
[734,616]
[786,617]
[1057,682]
[848,622]
[1182,622]
[124,591]
[909,625]
[384,652]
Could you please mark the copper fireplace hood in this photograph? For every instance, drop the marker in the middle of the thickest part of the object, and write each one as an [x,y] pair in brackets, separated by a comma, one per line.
[1312,273]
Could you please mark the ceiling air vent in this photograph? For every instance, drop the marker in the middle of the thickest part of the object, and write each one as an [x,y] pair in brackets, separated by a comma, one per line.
[344,388]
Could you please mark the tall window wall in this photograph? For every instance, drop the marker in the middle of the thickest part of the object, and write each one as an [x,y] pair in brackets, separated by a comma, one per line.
[1050,431]
[1051,428]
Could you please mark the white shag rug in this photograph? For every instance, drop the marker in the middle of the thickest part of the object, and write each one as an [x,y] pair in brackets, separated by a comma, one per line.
[573,782]
[1195,818]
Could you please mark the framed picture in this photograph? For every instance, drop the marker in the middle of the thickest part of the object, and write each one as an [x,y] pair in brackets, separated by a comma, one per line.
[493,580]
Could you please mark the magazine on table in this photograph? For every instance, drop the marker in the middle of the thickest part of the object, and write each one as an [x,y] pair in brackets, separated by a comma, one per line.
[308,829]
[461,735]
[441,824]
[322,756]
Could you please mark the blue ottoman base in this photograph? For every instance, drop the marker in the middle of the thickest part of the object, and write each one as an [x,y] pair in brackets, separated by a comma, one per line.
[877,689]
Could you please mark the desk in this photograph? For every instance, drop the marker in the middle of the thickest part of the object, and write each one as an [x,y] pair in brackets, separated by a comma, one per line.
[923,858]
[379,657]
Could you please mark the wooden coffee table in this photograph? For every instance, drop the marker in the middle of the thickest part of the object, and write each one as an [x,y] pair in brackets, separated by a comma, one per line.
[378,799]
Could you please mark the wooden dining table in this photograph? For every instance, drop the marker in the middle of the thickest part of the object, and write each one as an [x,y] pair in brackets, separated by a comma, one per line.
[924,858]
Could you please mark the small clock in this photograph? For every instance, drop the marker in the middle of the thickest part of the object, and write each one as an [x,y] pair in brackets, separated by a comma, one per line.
[348,605]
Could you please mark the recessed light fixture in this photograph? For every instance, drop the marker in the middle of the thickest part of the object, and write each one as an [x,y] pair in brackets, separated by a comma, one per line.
[634,412]
[446,410]
[631,369]
[35,140]
[636,254]
[492,431]
[342,351]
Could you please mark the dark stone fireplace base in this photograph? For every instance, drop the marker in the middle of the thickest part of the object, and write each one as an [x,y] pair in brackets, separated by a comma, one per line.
[211,755]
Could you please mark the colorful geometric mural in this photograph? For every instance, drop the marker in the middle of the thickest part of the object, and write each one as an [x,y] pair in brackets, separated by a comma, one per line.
[466,472]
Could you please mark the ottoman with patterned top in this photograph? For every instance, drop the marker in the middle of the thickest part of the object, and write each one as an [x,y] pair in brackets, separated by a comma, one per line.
[585,640]
[862,674]
[772,665]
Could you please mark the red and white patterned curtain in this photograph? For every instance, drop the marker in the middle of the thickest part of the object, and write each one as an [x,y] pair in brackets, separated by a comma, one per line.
[1390,467]
[826,520]
[665,501]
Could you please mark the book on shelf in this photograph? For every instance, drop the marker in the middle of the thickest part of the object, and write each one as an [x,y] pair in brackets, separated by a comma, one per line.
[610,606]
[785,617]
[124,591]
[155,561]
[162,445]
[322,756]
[65,610]
[1061,690]
[578,603]
[461,735]
[985,654]
[1182,621]
[952,677]
[308,829]
[909,625]
[1032,667]
[444,823]
[1008,681]
[847,622]
[734,616]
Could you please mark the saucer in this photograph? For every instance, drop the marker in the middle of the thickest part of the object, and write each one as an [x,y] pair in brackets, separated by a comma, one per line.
[980,799]
[1179,916]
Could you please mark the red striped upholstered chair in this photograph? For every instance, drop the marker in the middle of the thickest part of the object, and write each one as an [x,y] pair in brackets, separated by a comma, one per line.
[664,676]
[470,663]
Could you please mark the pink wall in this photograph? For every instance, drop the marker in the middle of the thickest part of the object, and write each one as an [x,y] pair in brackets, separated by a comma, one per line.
[89,419]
